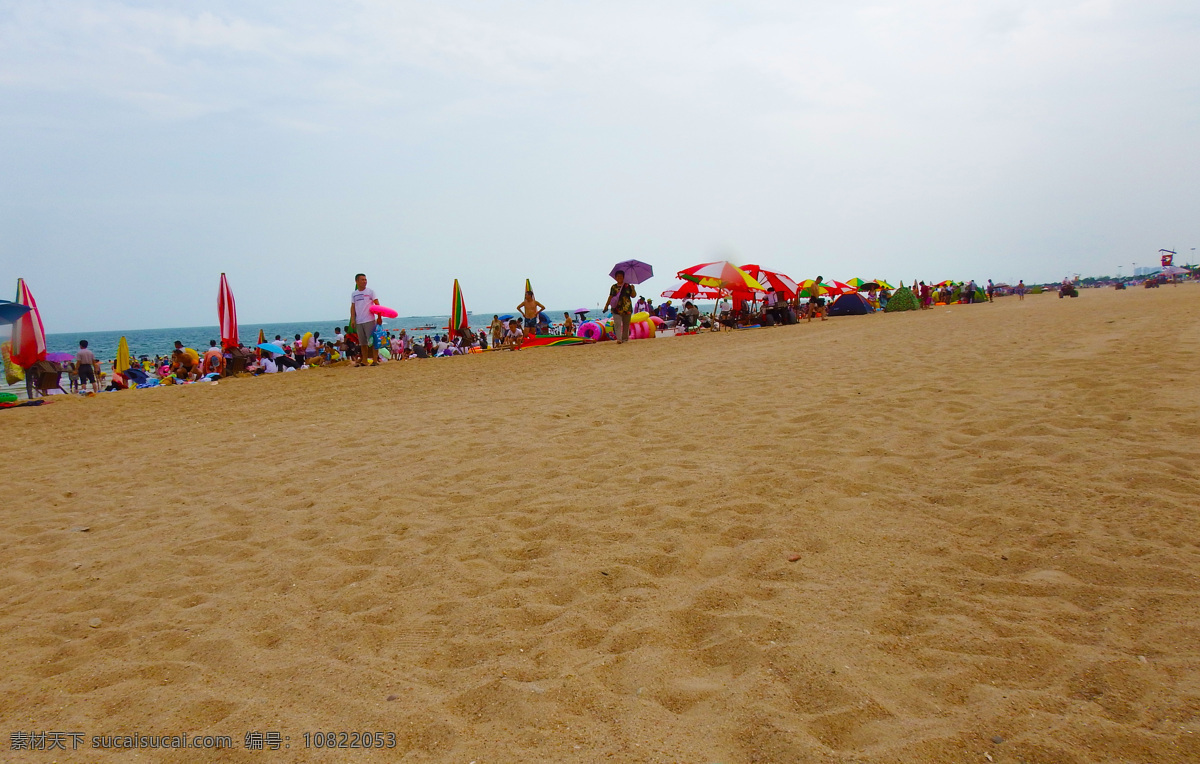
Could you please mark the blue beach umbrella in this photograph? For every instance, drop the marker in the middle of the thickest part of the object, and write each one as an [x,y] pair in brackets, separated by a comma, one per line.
[271,347]
[507,317]
[11,311]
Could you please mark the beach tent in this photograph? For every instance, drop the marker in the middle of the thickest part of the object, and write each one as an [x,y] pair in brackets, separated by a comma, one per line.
[852,304]
[902,299]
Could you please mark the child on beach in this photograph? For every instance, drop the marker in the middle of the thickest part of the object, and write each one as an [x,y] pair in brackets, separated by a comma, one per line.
[529,310]
[515,336]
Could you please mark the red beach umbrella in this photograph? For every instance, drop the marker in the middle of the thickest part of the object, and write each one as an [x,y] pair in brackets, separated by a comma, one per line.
[689,290]
[227,315]
[722,275]
[28,335]
[781,283]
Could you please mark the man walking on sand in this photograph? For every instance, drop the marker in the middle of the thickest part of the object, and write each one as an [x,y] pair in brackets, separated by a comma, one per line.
[620,302]
[361,300]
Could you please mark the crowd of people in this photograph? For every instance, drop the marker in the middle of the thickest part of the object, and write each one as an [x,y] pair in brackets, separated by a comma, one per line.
[365,341]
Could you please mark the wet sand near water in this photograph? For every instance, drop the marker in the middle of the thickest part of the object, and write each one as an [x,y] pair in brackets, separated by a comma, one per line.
[965,534]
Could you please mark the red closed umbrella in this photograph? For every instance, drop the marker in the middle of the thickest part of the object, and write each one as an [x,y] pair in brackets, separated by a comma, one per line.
[227,315]
[28,335]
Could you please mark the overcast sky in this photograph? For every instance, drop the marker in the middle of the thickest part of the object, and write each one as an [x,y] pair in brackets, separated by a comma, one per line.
[145,147]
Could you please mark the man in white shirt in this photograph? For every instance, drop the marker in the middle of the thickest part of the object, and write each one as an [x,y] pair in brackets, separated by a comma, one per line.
[361,300]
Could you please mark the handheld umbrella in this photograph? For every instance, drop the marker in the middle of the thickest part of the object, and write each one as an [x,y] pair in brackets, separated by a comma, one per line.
[636,272]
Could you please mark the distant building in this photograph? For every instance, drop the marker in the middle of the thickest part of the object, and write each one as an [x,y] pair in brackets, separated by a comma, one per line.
[1147,271]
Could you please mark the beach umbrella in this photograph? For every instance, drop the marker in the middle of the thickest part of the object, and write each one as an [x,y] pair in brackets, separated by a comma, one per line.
[11,311]
[227,315]
[722,275]
[781,283]
[28,335]
[122,356]
[1174,270]
[636,271]
[809,286]
[864,286]
[458,311]
[271,347]
[582,311]
[883,284]
[507,317]
[690,290]
[528,288]
[838,287]
[59,357]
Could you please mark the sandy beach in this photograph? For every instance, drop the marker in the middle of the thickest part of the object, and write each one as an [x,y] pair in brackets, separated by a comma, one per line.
[967,534]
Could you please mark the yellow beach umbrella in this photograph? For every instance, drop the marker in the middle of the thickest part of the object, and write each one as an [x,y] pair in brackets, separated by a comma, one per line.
[122,356]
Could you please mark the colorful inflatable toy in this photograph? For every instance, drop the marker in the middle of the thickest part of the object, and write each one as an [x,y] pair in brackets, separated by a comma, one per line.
[379,310]
[590,331]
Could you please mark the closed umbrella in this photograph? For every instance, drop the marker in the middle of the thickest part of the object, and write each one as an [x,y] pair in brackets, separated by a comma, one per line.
[122,356]
[227,315]
[28,335]
[458,312]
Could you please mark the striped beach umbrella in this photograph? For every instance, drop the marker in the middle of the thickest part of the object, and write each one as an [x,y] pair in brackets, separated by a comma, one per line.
[690,290]
[28,335]
[458,312]
[781,283]
[227,315]
[722,275]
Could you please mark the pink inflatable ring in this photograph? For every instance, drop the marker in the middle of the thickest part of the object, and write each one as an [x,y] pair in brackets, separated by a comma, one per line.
[590,331]
[379,310]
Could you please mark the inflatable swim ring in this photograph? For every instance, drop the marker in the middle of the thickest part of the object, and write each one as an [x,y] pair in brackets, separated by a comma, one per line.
[658,322]
[639,317]
[639,331]
[379,310]
[591,331]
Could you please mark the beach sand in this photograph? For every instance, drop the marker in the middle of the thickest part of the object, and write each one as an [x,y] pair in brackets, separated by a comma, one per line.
[943,536]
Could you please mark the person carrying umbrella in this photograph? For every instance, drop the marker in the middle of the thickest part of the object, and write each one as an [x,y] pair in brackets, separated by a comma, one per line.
[620,302]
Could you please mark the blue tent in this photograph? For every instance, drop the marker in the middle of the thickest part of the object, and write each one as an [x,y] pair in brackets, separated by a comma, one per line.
[852,304]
